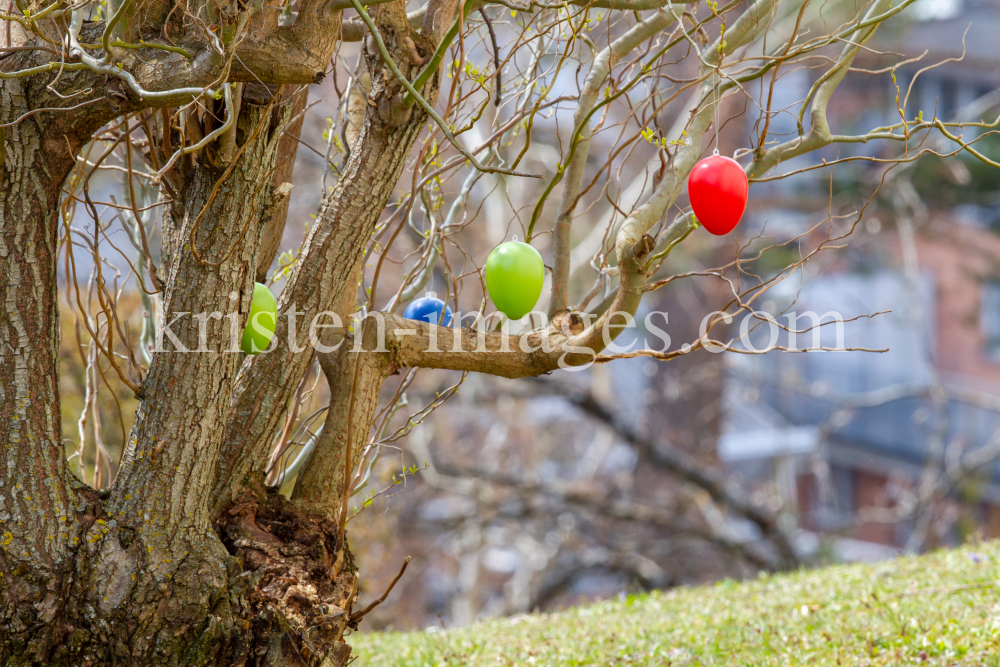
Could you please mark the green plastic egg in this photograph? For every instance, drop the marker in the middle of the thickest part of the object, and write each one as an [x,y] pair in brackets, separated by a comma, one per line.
[514,276]
[262,321]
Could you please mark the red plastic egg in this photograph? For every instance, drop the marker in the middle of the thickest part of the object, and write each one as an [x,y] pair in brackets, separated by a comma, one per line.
[718,189]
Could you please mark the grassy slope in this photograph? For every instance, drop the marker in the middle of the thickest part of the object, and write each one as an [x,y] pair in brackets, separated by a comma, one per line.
[939,609]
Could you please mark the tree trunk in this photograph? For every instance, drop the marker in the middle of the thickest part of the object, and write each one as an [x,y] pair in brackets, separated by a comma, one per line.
[29,339]
[137,575]
[321,485]
[153,571]
[44,512]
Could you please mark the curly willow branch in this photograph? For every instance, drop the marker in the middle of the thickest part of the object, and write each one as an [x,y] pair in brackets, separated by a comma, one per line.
[428,109]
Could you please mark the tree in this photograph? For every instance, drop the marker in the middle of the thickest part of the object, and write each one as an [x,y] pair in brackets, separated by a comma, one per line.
[189,557]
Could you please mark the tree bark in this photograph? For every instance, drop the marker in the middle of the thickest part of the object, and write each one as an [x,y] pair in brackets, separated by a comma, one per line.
[321,486]
[43,510]
[137,576]
[288,146]
[33,481]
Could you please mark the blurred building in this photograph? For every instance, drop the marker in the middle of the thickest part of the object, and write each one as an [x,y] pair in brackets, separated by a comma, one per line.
[896,449]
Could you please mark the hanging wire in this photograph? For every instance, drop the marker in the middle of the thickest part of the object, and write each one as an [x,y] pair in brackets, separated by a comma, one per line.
[717,79]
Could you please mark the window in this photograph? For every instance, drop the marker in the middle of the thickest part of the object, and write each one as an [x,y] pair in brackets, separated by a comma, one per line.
[989,319]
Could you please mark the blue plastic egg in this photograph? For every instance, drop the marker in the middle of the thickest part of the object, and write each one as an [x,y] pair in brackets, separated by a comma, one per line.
[428,308]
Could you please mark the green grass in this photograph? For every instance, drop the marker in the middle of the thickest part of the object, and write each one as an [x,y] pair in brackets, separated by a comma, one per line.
[938,609]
